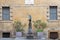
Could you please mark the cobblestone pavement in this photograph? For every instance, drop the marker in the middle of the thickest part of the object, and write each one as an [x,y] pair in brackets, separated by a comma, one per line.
[19,39]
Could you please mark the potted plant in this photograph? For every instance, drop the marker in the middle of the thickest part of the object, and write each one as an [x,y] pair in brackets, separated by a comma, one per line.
[19,28]
[39,27]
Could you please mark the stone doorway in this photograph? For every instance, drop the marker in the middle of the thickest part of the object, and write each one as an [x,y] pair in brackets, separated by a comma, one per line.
[6,34]
[53,35]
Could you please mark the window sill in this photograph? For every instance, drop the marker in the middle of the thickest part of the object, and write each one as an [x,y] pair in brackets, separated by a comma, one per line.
[52,20]
[29,4]
[6,20]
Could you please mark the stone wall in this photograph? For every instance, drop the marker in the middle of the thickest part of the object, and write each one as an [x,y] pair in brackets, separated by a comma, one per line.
[7,26]
[39,11]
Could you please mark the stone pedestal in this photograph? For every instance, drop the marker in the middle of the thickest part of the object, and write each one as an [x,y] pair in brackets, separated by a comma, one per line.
[30,34]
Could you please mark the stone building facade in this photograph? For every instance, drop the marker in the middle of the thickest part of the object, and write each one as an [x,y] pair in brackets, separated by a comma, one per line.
[38,9]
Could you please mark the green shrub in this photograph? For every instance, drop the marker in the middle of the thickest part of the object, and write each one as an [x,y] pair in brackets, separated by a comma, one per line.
[18,26]
[39,25]
[39,30]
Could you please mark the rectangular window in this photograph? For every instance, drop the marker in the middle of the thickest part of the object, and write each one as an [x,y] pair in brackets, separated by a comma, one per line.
[29,1]
[5,13]
[53,12]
